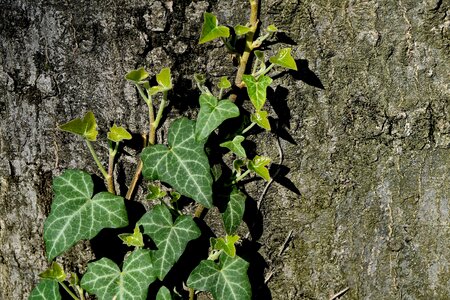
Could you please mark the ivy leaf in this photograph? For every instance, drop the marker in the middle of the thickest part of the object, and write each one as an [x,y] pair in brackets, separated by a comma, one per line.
[211,29]
[118,134]
[76,215]
[261,58]
[233,214]
[224,83]
[235,146]
[137,76]
[258,165]
[237,165]
[271,28]
[155,192]
[163,294]
[241,30]
[175,196]
[184,164]
[54,272]
[284,59]
[170,238]
[227,280]
[134,239]
[260,118]
[86,127]
[47,289]
[164,79]
[257,89]
[104,278]
[212,114]
[227,244]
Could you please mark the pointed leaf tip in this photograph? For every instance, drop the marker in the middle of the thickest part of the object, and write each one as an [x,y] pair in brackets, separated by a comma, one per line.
[211,29]
[86,127]
[118,134]
[137,76]
[284,59]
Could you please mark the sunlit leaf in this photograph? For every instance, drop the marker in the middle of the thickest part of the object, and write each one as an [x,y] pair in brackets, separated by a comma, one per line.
[226,244]
[118,134]
[284,59]
[86,127]
[232,217]
[54,272]
[137,76]
[271,28]
[104,278]
[155,192]
[258,165]
[224,83]
[76,215]
[134,239]
[184,164]
[164,79]
[226,280]
[257,89]
[241,30]
[211,29]
[212,114]
[47,289]
[260,118]
[175,196]
[170,237]
[235,146]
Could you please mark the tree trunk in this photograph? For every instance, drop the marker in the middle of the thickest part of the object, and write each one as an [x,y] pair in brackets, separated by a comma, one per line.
[361,200]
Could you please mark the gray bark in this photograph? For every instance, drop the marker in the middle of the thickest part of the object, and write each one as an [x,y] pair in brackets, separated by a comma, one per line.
[368,154]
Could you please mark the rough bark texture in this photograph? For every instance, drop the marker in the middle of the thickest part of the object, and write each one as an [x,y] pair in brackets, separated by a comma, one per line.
[366,132]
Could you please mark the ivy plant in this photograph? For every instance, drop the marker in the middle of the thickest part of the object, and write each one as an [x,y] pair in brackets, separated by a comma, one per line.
[174,168]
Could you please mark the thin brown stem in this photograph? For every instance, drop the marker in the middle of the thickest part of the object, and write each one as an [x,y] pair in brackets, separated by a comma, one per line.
[137,174]
[191,294]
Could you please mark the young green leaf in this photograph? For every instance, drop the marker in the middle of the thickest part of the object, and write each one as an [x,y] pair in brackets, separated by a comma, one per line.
[232,217]
[118,134]
[170,238]
[137,76]
[163,294]
[154,192]
[164,79]
[86,127]
[241,30]
[184,165]
[73,279]
[235,146]
[76,215]
[257,89]
[104,278]
[227,244]
[237,165]
[224,83]
[175,196]
[211,29]
[212,114]
[260,118]
[258,165]
[54,272]
[134,239]
[271,28]
[261,58]
[47,289]
[226,280]
[284,59]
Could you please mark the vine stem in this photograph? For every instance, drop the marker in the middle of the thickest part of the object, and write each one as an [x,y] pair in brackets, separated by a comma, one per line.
[99,164]
[68,291]
[191,294]
[112,155]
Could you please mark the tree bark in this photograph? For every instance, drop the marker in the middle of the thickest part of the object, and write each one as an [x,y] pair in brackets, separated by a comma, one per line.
[362,199]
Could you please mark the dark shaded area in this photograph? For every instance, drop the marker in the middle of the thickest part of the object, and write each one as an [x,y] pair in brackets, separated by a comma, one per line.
[278,173]
[304,74]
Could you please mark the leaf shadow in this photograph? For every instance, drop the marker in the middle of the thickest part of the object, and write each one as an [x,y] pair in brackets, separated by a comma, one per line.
[304,73]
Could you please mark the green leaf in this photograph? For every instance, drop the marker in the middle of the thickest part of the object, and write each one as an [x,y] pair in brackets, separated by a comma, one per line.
[216,171]
[73,279]
[86,127]
[224,83]
[258,165]
[233,214]
[134,239]
[155,192]
[227,244]
[76,215]
[241,30]
[163,294]
[261,58]
[271,28]
[164,79]
[260,118]
[284,59]
[47,289]
[211,29]
[175,196]
[235,146]
[118,134]
[257,89]
[200,78]
[184,164]
[54,272]
[137,76]
[227,280]
[212,114]
[104,278]
[170,238]
[237,165]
